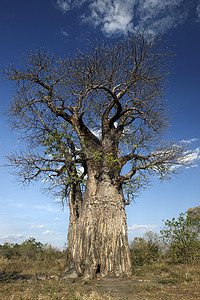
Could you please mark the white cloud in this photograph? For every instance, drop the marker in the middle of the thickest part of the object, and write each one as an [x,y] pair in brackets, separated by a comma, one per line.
[96,132]
[48,232]
[11,237]
[37,226]
[192,166]
[141,228]
[80,170]
[190,156]
[112,16]
[64,33]
[189,141]
[64,5]
[158,16]
[57,219]
[198,12]
[123,16]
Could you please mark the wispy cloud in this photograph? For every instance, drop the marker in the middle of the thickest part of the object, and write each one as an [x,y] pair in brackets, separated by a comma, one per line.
[158,16]
[112,16]
[141,228]
[64,33]
[37,226]
[189,141]
[190,157]
[64,5]
[47,207]
[123,16]
[192,166]
[198,12]
[48,232]
[11,237]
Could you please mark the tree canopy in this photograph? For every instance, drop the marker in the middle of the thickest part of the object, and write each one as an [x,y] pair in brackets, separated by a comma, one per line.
[65,109]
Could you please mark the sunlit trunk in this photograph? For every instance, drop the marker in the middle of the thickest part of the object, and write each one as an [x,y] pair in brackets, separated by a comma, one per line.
[97,237]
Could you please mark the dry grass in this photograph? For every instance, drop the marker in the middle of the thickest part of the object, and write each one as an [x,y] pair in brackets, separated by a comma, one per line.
[32,267]
[46,290]
[156,281]
[168,281]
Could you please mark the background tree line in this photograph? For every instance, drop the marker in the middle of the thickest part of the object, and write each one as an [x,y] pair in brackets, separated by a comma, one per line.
[179,242]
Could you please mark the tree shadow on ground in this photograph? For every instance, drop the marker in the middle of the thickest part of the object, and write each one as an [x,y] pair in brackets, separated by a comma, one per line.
[6,277]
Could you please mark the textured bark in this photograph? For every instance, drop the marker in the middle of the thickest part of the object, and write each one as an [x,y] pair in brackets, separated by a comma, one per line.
[97,237]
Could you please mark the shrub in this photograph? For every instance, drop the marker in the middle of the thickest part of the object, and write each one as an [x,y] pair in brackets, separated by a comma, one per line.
[193,214]
[6,250]
[145,250]
[29,249]
[182,238]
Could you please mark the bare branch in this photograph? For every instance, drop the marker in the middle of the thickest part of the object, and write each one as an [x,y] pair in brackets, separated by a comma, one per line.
[104,104]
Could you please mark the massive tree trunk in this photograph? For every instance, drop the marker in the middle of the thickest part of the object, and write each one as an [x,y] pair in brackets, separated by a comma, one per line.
[97,236]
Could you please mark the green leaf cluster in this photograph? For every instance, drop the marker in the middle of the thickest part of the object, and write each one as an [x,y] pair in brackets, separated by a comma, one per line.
[96,156]
[112,161]
[53,141]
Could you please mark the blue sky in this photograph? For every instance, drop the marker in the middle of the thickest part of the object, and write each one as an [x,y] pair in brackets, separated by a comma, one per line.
[63,26]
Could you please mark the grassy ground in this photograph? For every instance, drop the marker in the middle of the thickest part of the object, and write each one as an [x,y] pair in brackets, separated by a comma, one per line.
[22,279]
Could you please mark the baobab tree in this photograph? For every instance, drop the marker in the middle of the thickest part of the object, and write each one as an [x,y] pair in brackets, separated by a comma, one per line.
[94,125]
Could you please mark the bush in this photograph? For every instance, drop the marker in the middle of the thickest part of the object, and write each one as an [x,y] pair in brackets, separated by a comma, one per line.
[30,249]
[193,214]
[6,250]
[51,253]
[182,238]
[145,250]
